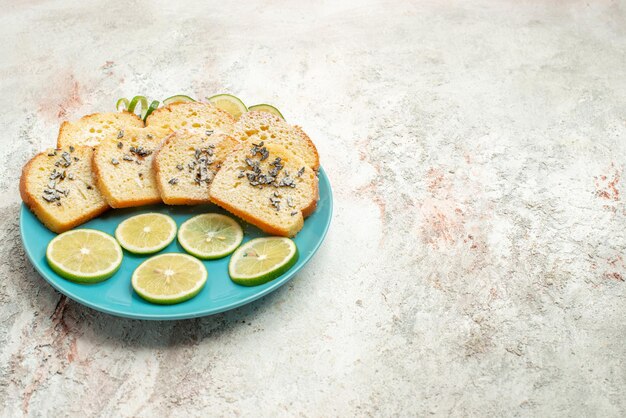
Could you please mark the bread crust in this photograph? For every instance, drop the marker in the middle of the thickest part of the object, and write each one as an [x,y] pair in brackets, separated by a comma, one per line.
[36,206]
[306,138]
[259,223]
[308,211]
[62,129]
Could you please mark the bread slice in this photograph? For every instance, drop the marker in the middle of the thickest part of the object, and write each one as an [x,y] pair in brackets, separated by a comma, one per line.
[186,164]
[59,188]
[257,126]
[91,129]
[192,115]
[123,167]
[267,186]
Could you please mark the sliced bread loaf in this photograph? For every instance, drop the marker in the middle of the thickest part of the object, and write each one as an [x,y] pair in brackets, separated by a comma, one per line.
[257,126]
[267,186]
[59,188]
[91,129]
[186,164]
[123,167]
[192,115]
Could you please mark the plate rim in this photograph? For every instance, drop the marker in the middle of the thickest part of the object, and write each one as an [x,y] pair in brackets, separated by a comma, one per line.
[180,316]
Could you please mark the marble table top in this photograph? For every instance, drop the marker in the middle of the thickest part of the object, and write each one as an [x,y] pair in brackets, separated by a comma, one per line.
[475,262]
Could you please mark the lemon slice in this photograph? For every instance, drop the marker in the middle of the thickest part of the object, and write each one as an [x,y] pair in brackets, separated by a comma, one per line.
[261,260]
[267,108]
[84,255]
[229,103]
[169,278]
[146,233]
[210,235]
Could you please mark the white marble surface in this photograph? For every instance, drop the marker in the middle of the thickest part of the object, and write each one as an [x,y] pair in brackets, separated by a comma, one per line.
[474,266]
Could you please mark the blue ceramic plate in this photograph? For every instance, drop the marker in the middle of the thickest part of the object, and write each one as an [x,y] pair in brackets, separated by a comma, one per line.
[116,296]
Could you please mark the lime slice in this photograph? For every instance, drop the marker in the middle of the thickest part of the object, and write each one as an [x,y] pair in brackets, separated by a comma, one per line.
[177,99]
[262,259]
[229,103]
[146,233]
[84,255]
[267,108]
[210,235]
[169,278]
